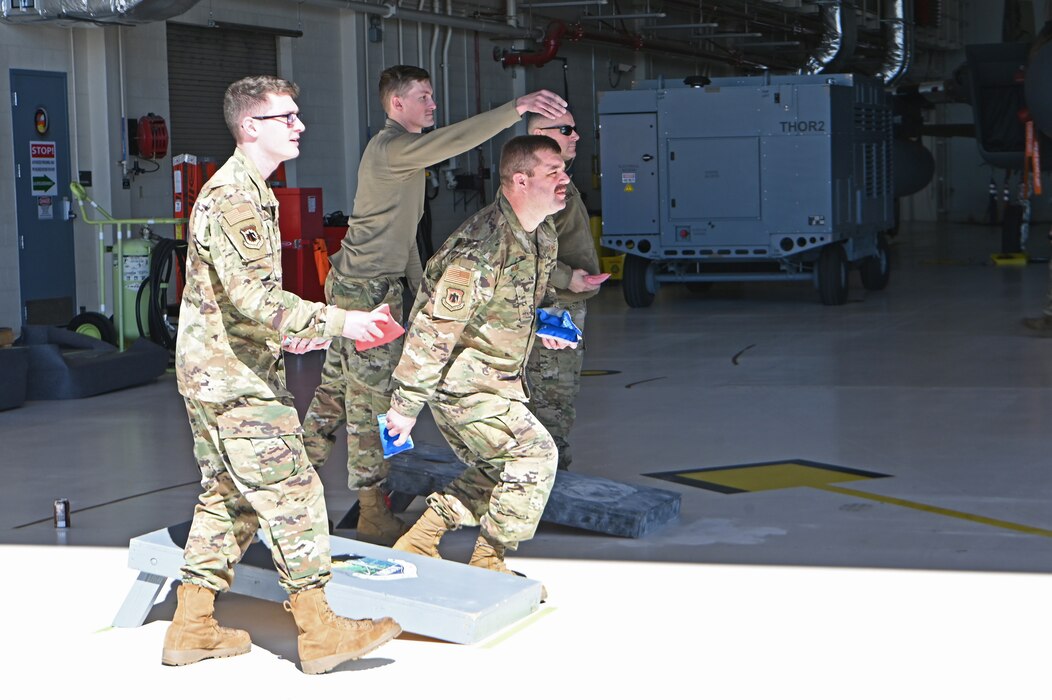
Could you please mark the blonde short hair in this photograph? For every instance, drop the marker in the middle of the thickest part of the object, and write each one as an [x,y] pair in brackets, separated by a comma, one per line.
[246,95]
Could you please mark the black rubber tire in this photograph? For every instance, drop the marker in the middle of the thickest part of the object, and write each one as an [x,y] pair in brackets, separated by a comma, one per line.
[634,282]
[876,269]
[94,325]
[832,275]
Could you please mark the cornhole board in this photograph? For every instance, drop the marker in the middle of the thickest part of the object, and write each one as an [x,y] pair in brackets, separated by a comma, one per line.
[445,600]
[578,500]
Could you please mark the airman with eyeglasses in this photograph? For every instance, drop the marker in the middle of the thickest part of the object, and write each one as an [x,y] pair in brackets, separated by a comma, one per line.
[290,118]
[234,322]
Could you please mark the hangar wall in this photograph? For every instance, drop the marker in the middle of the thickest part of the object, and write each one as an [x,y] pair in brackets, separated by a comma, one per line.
[113,70]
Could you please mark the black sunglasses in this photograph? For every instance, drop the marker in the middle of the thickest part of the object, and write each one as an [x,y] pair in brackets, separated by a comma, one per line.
[564,129]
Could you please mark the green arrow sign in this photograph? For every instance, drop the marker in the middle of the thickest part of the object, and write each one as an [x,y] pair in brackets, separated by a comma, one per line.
[42,183]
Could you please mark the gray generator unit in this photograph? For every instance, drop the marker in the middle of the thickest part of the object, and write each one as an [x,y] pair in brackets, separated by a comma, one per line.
[748,179]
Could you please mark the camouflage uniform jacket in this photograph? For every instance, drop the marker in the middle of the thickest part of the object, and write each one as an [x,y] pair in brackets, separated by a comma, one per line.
[234,312]
[576,249]
[473,320]
[389,202]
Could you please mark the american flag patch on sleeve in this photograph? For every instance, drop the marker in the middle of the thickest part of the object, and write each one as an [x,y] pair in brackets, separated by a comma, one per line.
[457,275]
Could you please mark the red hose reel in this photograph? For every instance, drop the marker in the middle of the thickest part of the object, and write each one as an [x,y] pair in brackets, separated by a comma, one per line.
[151,137]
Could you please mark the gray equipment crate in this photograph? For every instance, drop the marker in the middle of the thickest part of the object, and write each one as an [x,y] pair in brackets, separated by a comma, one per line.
[748,179]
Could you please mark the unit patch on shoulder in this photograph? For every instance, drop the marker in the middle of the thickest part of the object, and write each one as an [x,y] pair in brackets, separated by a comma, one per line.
[251,237]
[454,299]
[241,224]
[453,293]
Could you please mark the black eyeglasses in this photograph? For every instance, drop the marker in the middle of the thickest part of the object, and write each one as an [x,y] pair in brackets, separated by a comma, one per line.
[289,117]
[564,129]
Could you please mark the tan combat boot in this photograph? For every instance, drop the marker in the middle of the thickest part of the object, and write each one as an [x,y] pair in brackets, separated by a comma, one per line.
[194,635]
[424,536]
[490,556]
[326,640]
[376,523]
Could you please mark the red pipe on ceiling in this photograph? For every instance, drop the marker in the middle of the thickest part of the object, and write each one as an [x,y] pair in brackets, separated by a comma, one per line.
[553,37]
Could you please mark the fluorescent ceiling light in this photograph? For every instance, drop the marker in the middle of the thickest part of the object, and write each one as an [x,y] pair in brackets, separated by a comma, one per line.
[562,3]
[689,25]
[635,15]
[752,44]
[728,35]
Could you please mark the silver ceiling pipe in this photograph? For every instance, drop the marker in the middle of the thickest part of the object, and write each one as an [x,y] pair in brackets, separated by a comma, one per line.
[838,40]
[95,11]
[899,41]
[432,66]
[420,36]
[388,11]
[445,67]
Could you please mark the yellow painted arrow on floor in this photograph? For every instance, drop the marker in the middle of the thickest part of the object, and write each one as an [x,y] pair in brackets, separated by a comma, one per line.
[993,522]
[770,476]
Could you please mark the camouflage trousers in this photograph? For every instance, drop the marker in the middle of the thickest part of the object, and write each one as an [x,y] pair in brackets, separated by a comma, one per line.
[554,378]
[355,386]
[511,468]
[254,473]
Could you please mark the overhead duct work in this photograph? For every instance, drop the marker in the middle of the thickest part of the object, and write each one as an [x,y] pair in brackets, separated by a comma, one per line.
[768,18]
[835,34]
[839,43]
[95,11]
[839,37]
[899,41]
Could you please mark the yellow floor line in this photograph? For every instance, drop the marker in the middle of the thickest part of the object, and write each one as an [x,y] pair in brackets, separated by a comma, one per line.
[940,511]
[519,627]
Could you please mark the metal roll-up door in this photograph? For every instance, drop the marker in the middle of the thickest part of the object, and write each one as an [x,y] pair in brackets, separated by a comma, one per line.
[202,62]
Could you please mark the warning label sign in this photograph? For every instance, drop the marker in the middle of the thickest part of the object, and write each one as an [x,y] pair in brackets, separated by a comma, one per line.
[43,167]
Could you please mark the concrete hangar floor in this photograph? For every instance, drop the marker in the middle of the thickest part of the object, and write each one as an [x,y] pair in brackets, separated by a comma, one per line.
[787,573]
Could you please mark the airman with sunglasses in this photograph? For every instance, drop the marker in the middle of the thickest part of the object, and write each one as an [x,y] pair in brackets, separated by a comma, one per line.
[555,377]
[377,252]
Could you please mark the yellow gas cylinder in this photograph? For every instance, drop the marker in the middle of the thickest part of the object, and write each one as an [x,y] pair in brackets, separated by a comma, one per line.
[128,276]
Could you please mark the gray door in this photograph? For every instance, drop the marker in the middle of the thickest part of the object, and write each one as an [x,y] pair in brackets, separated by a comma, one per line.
[42,172]
[714,178]
[628,151]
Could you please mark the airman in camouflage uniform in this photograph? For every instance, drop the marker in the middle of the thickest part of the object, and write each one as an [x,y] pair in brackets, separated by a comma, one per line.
[555,376]
[247,436]
[378,250]
[473,324]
